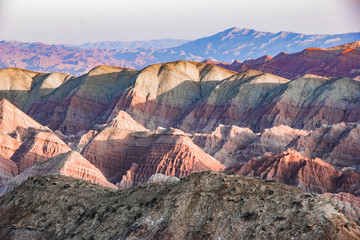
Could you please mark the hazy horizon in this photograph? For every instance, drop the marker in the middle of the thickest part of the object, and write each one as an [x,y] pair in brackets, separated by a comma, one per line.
[80,21]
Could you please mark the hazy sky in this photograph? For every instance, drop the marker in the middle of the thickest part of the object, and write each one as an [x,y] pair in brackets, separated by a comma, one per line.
[78,21]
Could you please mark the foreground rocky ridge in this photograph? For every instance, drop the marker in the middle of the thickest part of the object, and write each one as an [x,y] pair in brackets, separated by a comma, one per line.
[241,208]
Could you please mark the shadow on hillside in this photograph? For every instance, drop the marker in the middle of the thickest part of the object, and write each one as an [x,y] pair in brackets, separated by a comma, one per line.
[80,103]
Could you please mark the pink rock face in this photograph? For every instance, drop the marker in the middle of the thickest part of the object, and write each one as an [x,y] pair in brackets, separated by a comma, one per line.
[291,168]
[345,203]
[123,120]
[25,141]
[8,145]
[8,169]
[39,147]
[338,63]
[127,157]
[12,118]
[70,164]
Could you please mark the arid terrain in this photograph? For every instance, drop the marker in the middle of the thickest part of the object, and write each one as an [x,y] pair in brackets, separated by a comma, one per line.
[116,153]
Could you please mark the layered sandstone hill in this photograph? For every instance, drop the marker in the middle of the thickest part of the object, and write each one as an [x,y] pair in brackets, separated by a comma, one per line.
[25,141]
[129,158]
[241,208]
[13,119]
[163,92]
[156,96]
[337,144]
[313,175]
[77,104]
[260,101]
[232,145]
[232,101]
[196,97]
[23,88]
[340,61]
[70,164]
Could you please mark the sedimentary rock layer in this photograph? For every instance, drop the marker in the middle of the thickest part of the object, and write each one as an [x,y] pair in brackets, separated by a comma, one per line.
[132,157]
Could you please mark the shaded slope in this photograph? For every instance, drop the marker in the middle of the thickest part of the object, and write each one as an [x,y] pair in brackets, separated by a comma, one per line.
[23,88]
[74,106]
[233,101]
[306,102]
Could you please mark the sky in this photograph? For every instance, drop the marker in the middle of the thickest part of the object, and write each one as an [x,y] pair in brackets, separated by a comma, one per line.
[80,21]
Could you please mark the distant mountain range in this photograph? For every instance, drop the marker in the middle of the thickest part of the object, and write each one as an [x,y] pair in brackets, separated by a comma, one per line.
[340,61]
[226,46]
[119,45]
